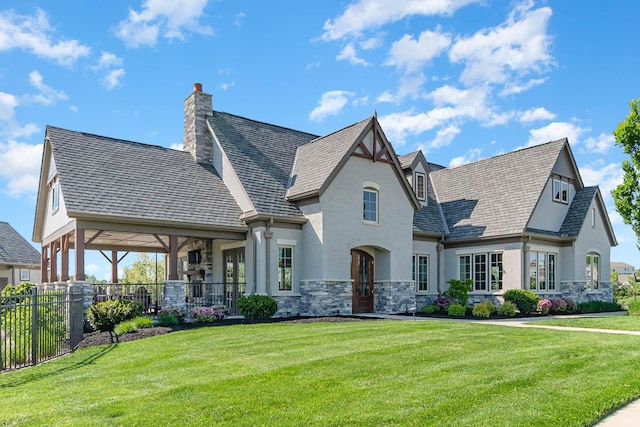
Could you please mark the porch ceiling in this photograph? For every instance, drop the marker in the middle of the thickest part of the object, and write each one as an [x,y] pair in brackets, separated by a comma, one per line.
[130,241]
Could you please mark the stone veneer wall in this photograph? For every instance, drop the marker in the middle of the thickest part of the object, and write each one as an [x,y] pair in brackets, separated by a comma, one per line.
[288,305]
[422,300]
[173,294]
[325,297]
[394,297]
[578,292]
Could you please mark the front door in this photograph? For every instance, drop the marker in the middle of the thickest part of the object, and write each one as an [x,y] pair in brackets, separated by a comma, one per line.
[362,275]
[234,278]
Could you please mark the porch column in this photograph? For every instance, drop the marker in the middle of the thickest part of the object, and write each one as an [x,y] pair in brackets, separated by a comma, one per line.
[114,266]
[80,254]
[260,259]
[64,258]
[173,257]
[44,264]
[54,262]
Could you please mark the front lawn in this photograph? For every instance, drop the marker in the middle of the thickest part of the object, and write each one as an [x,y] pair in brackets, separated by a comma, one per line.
[625,323]
[329,374]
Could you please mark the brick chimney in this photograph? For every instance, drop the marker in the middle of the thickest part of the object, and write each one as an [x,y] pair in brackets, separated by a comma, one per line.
[196,135]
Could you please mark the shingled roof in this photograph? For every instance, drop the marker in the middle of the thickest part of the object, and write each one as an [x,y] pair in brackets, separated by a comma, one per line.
[316,161]
[494,197]
[577,211]
[124,179]
[262,156]
[14,249]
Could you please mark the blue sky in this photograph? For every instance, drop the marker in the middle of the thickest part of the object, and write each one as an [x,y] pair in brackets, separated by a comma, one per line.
[460,79]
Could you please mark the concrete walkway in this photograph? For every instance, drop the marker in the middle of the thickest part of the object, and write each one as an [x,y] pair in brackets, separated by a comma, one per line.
[625,416]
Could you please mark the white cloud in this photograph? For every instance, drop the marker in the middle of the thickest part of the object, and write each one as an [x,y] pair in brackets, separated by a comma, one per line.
[92,268]
[606,175]
[554,131]
[171,19]
[506,53]
[444,137]
[349,54]
[599,145]
[411,54]
[177,146]
[535,114]
[8,124]
[330,104]
[34,34]
[470,156]
[368,14]
[113,78]
[226,86]
[515,87]
[20,167]
[47,96]
[410,85]
[615,217]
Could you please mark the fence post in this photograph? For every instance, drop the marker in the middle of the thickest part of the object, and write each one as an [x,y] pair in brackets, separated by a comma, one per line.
[34,326]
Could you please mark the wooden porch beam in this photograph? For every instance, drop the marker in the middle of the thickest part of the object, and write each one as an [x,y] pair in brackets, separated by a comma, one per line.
[80,254]
[164,245]
[44,264]
[64,258]
[94,237]
[173,257]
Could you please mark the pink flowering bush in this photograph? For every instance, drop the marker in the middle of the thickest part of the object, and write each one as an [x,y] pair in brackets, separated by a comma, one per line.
[562,306]
[208,314]
[544,305]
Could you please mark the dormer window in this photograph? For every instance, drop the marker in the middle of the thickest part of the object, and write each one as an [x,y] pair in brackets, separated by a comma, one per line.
[560,191]
[421,188]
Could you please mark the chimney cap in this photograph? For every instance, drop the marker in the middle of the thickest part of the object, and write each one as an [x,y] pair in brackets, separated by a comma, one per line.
[197,87]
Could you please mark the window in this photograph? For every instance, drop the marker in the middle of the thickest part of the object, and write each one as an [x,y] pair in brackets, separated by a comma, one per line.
[285,268]
[593,217]
[542,271]
[484,269]
[560,191]
[593,264]
[55,195]
[421,272]
[421,192]
[370,205]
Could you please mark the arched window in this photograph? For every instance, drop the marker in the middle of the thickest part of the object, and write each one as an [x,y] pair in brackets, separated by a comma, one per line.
[593,267]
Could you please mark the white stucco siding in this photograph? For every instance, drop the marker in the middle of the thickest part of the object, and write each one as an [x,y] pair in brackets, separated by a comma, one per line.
[431,250]
[53,221]
[311,252]
[549,214]
[592,239]
[343,227]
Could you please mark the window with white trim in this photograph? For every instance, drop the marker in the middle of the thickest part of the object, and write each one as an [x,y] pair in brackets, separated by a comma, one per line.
[542,271]
[593,217]
[485,269]
[370,205]
[593,266]
[421,272]
[55,194]
[421,187]
[560,191]
[285,268]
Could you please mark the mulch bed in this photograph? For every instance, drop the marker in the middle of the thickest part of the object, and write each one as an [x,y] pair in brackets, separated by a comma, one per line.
[90,339]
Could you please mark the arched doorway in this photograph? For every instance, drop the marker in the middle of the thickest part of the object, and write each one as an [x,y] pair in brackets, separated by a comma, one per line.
[362,276]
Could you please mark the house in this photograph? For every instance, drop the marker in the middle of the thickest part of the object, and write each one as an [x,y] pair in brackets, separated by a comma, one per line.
[333,224]
[19,261]
[624,270]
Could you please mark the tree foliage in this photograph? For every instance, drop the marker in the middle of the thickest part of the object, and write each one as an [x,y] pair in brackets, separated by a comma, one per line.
[143,270]
[627,195]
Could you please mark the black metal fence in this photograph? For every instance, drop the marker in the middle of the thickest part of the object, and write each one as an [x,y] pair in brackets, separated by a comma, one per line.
[149,295]
[202,294]
[39,326]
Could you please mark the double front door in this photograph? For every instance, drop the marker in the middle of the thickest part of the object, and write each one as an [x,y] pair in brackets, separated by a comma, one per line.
[362,276]
[234,276]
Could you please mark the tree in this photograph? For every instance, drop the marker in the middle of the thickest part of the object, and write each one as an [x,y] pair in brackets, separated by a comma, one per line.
[627,195]
[143,270]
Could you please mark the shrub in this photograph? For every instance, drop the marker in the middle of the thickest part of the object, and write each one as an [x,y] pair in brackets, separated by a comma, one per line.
[507,309]
[142,322]
[208,314]
[257,306]
[458,290]
[544,305]
[484,309]
[457,310]
[558,305]
[104,316]
[442,303]
[525,300]
[133,325]
[171,316]
[572,307]
[598,307]
[634,307]
[429,309]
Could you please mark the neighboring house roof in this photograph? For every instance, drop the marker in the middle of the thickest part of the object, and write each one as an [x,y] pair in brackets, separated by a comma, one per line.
[108,177]
[262,156]
[617,264]
[493,197]
[14,249]
[316,161]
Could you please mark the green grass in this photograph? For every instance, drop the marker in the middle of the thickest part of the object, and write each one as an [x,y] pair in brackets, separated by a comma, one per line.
[625,323]
[333,374]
